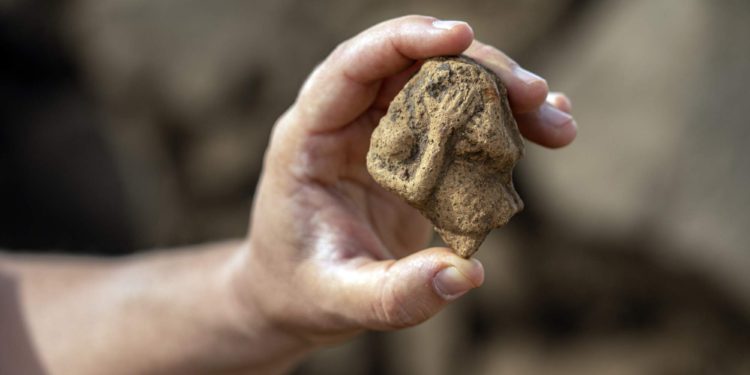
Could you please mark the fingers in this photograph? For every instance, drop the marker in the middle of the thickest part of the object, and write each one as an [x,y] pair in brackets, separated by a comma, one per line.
[542,117]
[561,101]
[526,90]
[397,294]
[551,125]
[347,82]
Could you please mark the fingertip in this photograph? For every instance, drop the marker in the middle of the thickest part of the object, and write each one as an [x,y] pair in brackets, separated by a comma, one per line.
[460,32]
[570,133]
[454,281]
[548,126]
[401,293]
[453,276]
[419,37]
[476,273]
[472,268]
[450,24]
[564,135]
[560,101]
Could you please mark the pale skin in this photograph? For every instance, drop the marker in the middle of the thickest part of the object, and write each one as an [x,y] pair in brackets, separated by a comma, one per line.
[329,253]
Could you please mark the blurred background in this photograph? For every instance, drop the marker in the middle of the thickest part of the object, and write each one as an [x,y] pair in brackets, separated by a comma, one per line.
[133,124]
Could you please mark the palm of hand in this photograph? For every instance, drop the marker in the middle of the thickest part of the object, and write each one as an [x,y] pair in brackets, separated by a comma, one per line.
[345,208]
[326,220]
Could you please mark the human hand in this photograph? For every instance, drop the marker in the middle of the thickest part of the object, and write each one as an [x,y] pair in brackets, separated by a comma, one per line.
[330,252]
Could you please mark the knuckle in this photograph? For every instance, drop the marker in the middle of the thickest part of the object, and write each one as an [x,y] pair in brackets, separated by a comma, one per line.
[511,64]
[498,56]
[340,50]
[487,50]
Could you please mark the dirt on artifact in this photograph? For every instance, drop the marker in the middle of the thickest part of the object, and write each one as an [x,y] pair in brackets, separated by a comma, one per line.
[448,145]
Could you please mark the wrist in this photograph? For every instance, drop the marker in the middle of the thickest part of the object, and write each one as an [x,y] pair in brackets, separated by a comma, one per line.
[247,294]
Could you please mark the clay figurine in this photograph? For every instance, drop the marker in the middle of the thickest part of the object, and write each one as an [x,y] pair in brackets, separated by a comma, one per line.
[448,145]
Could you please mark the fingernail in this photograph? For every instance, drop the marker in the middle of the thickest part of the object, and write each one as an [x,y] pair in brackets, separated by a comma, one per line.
[527,76]
[447,24]
[450,283]
[553,116]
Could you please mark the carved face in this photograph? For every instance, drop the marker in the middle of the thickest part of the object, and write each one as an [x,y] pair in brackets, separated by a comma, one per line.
[448,145]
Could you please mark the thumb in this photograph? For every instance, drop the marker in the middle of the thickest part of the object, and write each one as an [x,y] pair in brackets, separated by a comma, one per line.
[401,293]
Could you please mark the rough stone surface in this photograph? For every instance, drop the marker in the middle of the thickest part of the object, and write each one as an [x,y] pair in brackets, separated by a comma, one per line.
[448,145]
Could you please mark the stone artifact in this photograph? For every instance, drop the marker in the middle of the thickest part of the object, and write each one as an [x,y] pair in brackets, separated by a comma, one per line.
[448,145]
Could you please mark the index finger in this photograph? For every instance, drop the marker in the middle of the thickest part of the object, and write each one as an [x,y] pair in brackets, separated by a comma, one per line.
[344,85]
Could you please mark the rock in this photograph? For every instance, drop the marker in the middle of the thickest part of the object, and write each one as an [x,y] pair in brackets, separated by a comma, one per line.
[448,145]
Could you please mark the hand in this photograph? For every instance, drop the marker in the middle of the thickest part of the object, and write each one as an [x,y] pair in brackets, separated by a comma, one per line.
[330,252]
